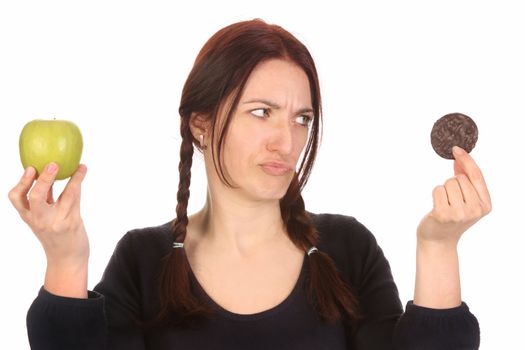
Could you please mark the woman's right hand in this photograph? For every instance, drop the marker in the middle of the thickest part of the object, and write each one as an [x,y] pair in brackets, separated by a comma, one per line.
[58,226]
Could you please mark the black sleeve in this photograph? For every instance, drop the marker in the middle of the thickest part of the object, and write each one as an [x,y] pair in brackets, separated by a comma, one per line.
[60,323]
[106,320]
[424,328]
[384,324]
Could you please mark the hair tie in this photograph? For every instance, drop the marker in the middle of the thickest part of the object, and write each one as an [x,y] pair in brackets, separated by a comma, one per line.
[312,250]
[178,245]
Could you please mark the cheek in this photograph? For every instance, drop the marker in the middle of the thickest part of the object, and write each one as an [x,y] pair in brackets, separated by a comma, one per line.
[300,139]
[240,151]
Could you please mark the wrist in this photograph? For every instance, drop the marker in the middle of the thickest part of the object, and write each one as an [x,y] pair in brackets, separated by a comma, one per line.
[438,246]
[437,275]
[67,279]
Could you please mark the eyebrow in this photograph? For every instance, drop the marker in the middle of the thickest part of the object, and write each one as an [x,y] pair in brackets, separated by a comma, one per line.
[276,106]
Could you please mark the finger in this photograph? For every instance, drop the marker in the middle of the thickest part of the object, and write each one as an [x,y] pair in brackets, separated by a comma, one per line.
[70,198]
[439,197]
[458,169]
[18,194]
[466,163]
[50,196]
[39,193]
[454,194]
[470,196]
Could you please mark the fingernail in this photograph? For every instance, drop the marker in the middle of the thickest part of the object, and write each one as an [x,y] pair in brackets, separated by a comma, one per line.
[51,167]
[458,151]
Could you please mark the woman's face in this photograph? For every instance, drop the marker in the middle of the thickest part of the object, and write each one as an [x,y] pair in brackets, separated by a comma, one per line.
[268,130]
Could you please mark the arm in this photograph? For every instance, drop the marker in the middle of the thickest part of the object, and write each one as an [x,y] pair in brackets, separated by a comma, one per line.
[384,325]
[57,322]
[58,226]
[106,319]
[64,315]
[458,204]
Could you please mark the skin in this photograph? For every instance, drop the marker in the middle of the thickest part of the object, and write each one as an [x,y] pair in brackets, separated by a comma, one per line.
[58,226]
[239,224]
[458,204]
[269,124]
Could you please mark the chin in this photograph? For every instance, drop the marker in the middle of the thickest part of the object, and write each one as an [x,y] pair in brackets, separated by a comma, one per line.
[265,188]
[273,191]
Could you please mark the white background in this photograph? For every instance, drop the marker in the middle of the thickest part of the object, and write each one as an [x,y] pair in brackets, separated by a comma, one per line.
[388,70]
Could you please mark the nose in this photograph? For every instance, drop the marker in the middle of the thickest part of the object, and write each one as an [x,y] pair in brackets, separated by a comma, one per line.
[281,138]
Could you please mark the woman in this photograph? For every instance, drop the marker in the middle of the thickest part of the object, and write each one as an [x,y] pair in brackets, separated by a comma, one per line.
[252,269]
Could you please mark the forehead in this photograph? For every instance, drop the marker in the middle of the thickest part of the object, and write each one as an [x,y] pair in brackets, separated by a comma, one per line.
[279,80]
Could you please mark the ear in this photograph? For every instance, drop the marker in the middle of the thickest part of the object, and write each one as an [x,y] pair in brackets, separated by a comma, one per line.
[199,125]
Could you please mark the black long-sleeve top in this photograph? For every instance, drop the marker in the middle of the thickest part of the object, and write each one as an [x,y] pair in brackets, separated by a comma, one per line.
[128,292]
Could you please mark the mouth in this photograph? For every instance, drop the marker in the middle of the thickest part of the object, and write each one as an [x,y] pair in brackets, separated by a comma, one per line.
[276,169]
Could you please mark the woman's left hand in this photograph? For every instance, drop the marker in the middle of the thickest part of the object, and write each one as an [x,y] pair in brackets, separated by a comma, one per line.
[459,203]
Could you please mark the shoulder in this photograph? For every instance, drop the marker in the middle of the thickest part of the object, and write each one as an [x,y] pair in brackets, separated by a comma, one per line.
[129,282]
[137,255]
[146,241]
[336,229]
[347,241]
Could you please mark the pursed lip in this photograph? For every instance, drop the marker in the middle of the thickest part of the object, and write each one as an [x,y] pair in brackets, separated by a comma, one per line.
[276,168]
[277,165]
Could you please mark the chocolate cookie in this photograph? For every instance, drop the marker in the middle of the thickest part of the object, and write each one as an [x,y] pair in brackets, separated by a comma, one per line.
[454,129]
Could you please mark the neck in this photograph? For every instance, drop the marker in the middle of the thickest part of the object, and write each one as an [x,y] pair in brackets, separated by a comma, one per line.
[237,227]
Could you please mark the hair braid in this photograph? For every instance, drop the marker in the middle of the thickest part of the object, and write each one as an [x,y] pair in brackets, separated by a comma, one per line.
[327,292]
[176,294]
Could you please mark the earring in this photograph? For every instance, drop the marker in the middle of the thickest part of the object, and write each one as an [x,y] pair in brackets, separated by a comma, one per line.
[201,139]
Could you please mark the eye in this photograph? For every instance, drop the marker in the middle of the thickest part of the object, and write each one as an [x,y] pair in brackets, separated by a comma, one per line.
[304,119]
[260,112]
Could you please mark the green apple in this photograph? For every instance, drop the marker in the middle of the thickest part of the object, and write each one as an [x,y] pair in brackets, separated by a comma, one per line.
[45,141]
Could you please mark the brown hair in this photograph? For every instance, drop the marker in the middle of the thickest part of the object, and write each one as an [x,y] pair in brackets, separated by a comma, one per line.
[220,72]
